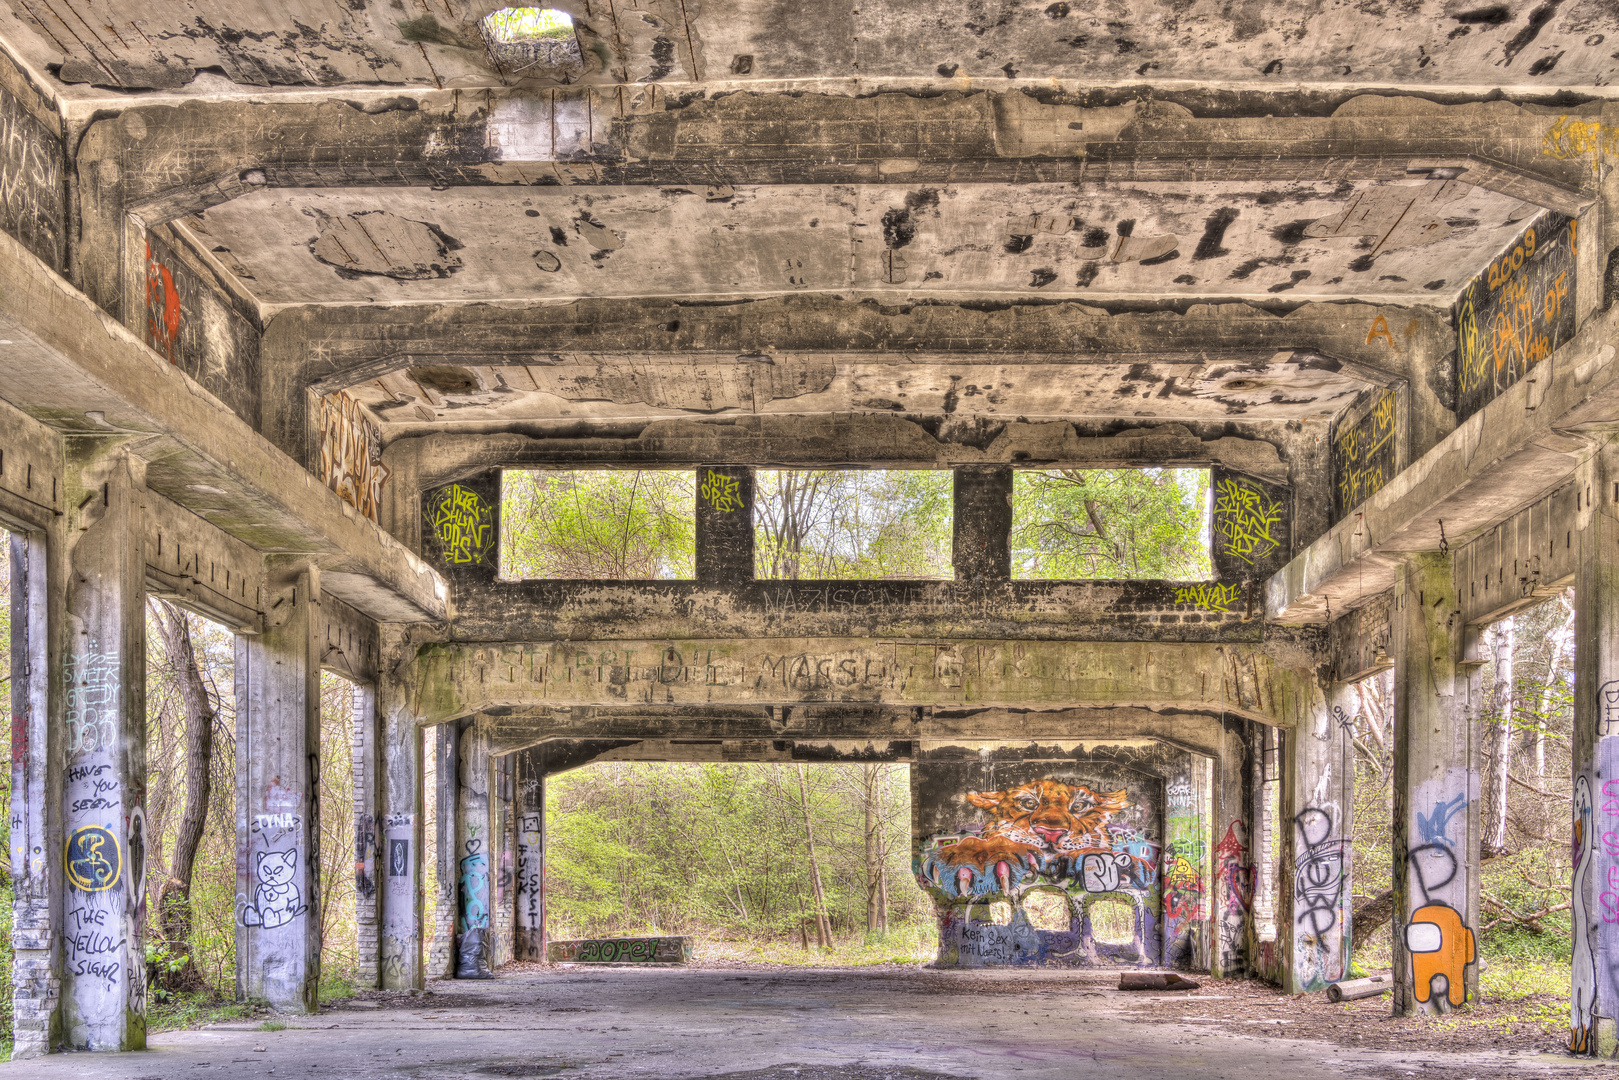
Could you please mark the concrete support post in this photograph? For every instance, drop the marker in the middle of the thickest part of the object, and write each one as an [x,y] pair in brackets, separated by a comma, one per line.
[1233,908]
[446,746]
[982,532]
[1187,813]
[474,953]
[724,525]
[502,861]
[529,943]
[103,820]
[399,775]
[278,797]
[1595,990]
[1436,789]
[36,790]
[367,838]
[1318,799]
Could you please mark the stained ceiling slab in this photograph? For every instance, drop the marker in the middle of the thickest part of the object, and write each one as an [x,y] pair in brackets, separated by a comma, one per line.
[1418,240]
[1432,43]
[439,392]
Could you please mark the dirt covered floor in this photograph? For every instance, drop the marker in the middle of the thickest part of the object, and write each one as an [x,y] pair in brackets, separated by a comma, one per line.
[737,1021]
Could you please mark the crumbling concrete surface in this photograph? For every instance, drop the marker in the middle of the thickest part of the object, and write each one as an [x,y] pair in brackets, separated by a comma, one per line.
[756,1023]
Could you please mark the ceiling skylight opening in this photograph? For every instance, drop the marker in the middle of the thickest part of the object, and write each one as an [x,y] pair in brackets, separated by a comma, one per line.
[522,39]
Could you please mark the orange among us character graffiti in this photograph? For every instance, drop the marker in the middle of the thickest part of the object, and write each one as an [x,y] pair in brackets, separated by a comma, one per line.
[1041,828]
[1440,944]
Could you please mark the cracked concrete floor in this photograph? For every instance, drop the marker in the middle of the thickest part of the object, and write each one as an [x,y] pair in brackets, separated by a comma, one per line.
[782,1024]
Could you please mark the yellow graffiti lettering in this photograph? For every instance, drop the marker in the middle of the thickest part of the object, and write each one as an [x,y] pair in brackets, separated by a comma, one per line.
[1572,138]
[723,493]
[1246,521]
[463,522]
[1380,329]
[350,455]
[1212,597]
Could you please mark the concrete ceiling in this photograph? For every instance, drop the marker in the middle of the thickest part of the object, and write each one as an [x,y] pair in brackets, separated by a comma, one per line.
[1434,43]
[439,393]
[1402,241]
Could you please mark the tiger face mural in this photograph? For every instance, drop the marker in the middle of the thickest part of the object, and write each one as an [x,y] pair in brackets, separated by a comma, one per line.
[1040,828]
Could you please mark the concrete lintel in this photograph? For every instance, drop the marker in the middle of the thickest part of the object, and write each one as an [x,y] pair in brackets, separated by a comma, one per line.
[1512,452]
[74,367]
[198,565]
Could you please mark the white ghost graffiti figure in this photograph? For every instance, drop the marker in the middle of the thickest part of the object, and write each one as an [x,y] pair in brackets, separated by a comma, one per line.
[277,900]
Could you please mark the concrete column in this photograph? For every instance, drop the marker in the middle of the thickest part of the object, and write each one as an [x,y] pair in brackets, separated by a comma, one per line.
[1595,992]
[104,706]
[277,805]
[1436,789]
[529,941]
[502,861]
[474,954]
[1318,800]
[1233,910]
[1186,851]
[399,774]
[367,838]
[724,525]
[982,531]
[446,746]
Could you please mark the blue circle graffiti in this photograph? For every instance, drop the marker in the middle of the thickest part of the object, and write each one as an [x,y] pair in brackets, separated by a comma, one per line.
[93,860]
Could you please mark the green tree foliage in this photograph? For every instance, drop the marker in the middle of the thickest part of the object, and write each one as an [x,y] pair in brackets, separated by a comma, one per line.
[598,524]
[686,848]
[1111,524]
[831,524]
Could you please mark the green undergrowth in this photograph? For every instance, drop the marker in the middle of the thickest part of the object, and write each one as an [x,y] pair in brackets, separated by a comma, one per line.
[910,943]
[177,1012]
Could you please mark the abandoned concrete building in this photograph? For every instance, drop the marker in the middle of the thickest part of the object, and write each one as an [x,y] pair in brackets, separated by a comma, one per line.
[285,289]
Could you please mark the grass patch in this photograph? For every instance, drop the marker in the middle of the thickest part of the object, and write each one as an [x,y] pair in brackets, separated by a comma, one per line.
[272,1025]
[177,1012]
[912,943]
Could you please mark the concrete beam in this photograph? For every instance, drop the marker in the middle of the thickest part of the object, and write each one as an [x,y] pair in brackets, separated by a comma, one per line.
[1509,454]
[72,366]
[452,681]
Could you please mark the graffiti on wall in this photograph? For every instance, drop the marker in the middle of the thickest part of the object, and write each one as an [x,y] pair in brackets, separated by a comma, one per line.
[278,897]
[32,196]
[399,895]
[1247,521]
[530,881]
[1057,844]
[462,522]
[1583,991]
[723,493]
[1236,884]
[1210,596]
[91,704]
[1363,454]
[473,959]
[1515,313]
[1320,866]
[1440,943]
[163,310]
[351,454]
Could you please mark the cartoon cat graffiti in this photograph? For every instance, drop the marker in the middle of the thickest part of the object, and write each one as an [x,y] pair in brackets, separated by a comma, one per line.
[277,900]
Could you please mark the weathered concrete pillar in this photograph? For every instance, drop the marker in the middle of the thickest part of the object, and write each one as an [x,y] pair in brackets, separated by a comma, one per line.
[1436,788]
[277,797]
[502,861]
[529,943]
[1595,990]
[399,772]
[1318,800]
[367,837]
[446,746]
[104,706]
[474,953]
[724,525]
[982,531]
[1187,812]
[1233,894]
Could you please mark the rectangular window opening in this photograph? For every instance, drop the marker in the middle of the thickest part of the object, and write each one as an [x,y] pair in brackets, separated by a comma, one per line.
[1111,524]
[852,525]
[598,524]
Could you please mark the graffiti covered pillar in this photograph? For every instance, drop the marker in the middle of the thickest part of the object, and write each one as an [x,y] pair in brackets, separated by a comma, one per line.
[445,742]
[502,860]
[1594,1018]
[725,525]
[1436,787]
[399,774]
[529,942]
[473,855]
[1318,798]
[1233,906]
[104,781]
[277,795]
[1187,807]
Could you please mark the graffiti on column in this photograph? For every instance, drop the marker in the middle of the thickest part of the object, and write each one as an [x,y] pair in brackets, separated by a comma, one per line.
[530,871]
[91,679]
[1441,944]
[277,898]
[365,842]
[1054,837]
[162,308]
[1363,454]
[1318,887]
[1247,522]
[399,900]
[1608,709]
[723,493]
[463,523]
[351,454]
[1236,878]
[1583,992]
[473,945]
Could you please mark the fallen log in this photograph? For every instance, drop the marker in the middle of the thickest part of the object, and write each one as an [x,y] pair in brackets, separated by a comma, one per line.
[1155,980]
[1355,989]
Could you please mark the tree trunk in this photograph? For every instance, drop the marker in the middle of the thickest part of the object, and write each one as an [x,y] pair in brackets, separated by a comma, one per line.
[1560,642]
[868,799]
[174,903]
[823,924]
[1495,829]
[1369,917]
